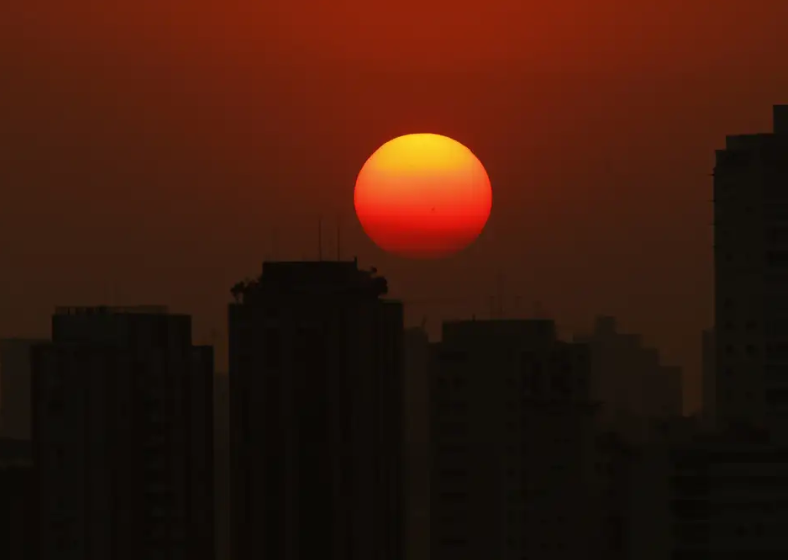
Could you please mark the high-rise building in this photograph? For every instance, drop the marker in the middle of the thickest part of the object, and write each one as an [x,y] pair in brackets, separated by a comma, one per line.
[711,496]
[123,437]
[416,452]
[17,501]
[221,414]
[751,271]
[15,387]
[316,414]
[512,444]
[709,376]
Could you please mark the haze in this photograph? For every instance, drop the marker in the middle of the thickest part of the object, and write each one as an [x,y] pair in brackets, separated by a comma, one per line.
[148,150]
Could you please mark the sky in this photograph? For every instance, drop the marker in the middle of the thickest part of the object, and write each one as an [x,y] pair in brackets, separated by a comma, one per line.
[157,152]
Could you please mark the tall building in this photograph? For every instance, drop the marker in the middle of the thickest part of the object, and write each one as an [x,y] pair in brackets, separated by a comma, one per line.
[316,414]
[751,270]
[709,376]
[512,444]
[710,496]
[123,437]
[15,403]
[221,413]
[416,452]
[17,501]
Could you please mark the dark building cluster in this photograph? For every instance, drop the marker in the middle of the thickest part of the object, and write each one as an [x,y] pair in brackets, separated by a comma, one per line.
[339,434]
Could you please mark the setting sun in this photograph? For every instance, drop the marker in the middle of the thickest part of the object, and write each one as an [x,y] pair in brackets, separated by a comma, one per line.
[423,196]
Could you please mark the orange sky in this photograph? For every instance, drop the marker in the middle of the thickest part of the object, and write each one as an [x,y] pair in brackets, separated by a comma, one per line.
[148,149]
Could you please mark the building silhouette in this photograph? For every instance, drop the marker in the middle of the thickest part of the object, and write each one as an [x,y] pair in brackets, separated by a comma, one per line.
[636,391]
[123,437]
[17,503]
[316,421]
[751,267]
[417,443]
[720,492]
[613,460]
[512,444]
[15,403]
[713,495]
[221,408]
[708,378]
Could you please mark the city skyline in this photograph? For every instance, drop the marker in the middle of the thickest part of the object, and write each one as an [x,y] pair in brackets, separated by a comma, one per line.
[187,149]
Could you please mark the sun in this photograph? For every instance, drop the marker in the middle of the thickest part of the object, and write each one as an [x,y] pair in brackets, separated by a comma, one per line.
[423,196]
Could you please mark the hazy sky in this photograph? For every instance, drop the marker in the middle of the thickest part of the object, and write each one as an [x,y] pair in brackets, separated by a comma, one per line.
[149,149]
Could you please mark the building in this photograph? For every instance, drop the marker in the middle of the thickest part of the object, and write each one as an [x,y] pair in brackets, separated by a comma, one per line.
[709,375]
[512,444]
[416,451]
[613,466]
[15,387]
[751,269]
[123,437]
[17,501]
[316,414]
[221,407]
[635,389]
[712,496]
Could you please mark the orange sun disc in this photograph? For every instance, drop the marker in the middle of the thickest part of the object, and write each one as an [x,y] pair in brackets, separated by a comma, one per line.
[423,196]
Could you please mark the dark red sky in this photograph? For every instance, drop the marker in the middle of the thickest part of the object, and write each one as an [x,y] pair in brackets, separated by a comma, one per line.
[149,148]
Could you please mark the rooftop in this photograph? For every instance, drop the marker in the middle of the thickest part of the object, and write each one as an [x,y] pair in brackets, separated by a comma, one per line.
[763,140]
[112,310]
[541,330]
[780,119]
[311,278]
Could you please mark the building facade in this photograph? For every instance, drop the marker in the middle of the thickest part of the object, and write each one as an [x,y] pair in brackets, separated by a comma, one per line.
[17,501]
[221,407]
[15,379]
[751,271]
[316,415]
[709,378]
[634,388]
[123,437]
[417,442]
[512,444]
[714,496]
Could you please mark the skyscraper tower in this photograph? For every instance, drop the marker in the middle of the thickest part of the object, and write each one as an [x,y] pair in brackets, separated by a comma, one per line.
[123,437]
[316,414]
[751,278]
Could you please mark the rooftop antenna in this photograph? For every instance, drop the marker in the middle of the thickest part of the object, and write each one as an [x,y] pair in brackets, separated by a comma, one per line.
[320,238]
